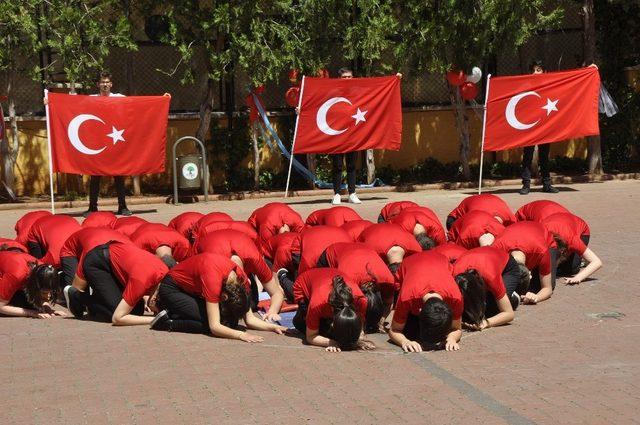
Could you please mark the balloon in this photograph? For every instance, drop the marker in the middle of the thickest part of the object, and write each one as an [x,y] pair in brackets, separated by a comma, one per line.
[292,95]
[293,76]
[259,89]
[456,77]
[476,75]
[469,91]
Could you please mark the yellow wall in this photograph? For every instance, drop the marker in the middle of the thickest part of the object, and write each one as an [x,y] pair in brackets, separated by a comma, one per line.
[425,134]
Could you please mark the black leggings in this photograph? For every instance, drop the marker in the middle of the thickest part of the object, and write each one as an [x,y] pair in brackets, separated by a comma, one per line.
[512,283]
[68,265]
[336,172]
[187,312]
[300,322]
[107,290]
[35,249]
[543,161]
[450,221]
[535,285]
[571,265]
[94,191]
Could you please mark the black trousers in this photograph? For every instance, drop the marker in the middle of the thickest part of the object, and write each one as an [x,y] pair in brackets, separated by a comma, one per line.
[450,221]
[511,279]
[94,191]
[543,162]
[535,286]
[188,312]
[336,172]
[300,322]
[35,249]
[571,265]
[107,290]
[69,265]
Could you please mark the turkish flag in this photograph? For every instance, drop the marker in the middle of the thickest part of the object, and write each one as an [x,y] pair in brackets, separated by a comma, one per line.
[108,136]
[339,115]
[527,110]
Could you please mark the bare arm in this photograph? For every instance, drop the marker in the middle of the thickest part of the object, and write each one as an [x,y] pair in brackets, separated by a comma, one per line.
[504,316]
[276,293]
[454,336]
[253,322]
[9,310]
[222,331]
[121,316]
[594,265]
[314,338]
[398,338]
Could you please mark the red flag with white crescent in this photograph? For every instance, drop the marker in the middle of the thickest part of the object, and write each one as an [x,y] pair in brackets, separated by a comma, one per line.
[108,136]
[527,110]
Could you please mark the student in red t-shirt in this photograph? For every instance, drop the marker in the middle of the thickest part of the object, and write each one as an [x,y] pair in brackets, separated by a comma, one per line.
[539,210]
[488,202]
[242,250]
[240,226]
[128,225]
[391,242]
[474,229]
[274,218]
[363,266]
[427,230]
[208,293]
[429,307]
[331,310]
[286,261]
[334,216]
[392,209]
[27,289]
[119,275]
[530,243]
[314,240]
[12,245]
[23,225]
[355,228]
[166,243]
[184,222]
[100,219]
[48,234]
[490,280]
[450,250]
[212,217]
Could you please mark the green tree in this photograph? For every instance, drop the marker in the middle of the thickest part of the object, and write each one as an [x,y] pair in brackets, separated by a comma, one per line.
[19,42]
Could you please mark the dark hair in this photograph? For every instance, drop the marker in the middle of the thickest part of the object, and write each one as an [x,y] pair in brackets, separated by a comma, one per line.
[169,261]
[474,295]
[6,247]
[524,276]
[537,62]
[344,70]
[563,247]
[435,321]
[425,241]
[393,267]
[43,277]
[234,302]
[105,74]
[375,306]
[346,326]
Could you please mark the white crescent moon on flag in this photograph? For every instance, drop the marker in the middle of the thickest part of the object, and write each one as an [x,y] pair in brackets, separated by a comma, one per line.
[510,111]
[74,138]
[321,116]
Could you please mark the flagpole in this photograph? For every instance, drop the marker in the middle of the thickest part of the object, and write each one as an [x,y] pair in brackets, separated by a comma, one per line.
[484,126]
[295,133]
[46,109]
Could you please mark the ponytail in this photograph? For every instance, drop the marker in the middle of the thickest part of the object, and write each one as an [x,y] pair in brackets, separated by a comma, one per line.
[375,306]
[346,325]
[474,294]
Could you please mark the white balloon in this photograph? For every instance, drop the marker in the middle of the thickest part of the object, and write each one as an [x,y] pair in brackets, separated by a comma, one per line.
[475,76]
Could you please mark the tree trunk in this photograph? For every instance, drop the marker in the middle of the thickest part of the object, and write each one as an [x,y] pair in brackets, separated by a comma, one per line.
[311,165]
[256,156]
[462,127]
[594,149]
[11,147]
[371,166]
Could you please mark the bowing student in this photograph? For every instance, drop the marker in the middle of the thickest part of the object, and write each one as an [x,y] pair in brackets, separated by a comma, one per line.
[274,218]
[391,242]
[392,209]
[488,202]
[23,225]
[474,229]
[185,222]
[426,228]
[166,243]
[334,216]
[48,234]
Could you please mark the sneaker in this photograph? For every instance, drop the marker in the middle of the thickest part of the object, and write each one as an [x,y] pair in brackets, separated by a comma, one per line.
[282,273]
[124,211]
[549,189]
[337,199]
[74,303]
[161,322]
[353,198]
[525,190]
[515,300]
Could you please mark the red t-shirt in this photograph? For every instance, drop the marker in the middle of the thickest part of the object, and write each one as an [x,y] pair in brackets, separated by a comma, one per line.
[362,264]
[14,272]
[204,274]
[487,202]
[271,246]
[489,262]
[392,209]
[334,216]
[268,220]
[466,230]
[184,222]
[314,240]
[23,225]
[410,217]
[13,244]
[423,273]
[382,236]
[209,218]
[151,236]
[84,240]
[100,219]
[539,210]
[240,226]
[128,225]
[314,287]
[569,228]
[533,239]
[450,250]
[137,270]
[51,232]
[354,228]
[283,258]
[230,242]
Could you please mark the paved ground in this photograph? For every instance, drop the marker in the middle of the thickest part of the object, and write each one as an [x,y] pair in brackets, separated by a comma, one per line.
[564,361]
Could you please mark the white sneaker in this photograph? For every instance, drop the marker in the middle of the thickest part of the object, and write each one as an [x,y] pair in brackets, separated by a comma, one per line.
[336,199]
[353,198]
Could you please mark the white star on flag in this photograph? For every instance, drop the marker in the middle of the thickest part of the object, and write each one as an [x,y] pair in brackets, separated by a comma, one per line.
[116,135]
[550,106]
[359,116]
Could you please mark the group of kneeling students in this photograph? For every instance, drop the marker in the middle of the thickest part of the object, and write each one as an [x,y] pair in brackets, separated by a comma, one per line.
[347,276]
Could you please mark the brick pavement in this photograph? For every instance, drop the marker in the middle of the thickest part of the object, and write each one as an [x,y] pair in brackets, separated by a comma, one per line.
[557,363]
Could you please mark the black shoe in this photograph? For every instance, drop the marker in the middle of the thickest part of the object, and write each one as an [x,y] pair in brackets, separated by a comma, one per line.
[74,302]
[161,322]
[281,274]
[525,190]
[124,211]
[547,188]
[514,299]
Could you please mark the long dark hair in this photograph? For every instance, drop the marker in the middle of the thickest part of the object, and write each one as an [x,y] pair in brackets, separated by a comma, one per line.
[425,241]
[346,325]
[524,279]
[474,294]
[43,277]
[234,302]
[375,306]
[435,321]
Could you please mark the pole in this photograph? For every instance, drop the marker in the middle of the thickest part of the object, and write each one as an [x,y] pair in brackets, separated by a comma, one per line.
[46,109]
[484,126]
[295,133]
